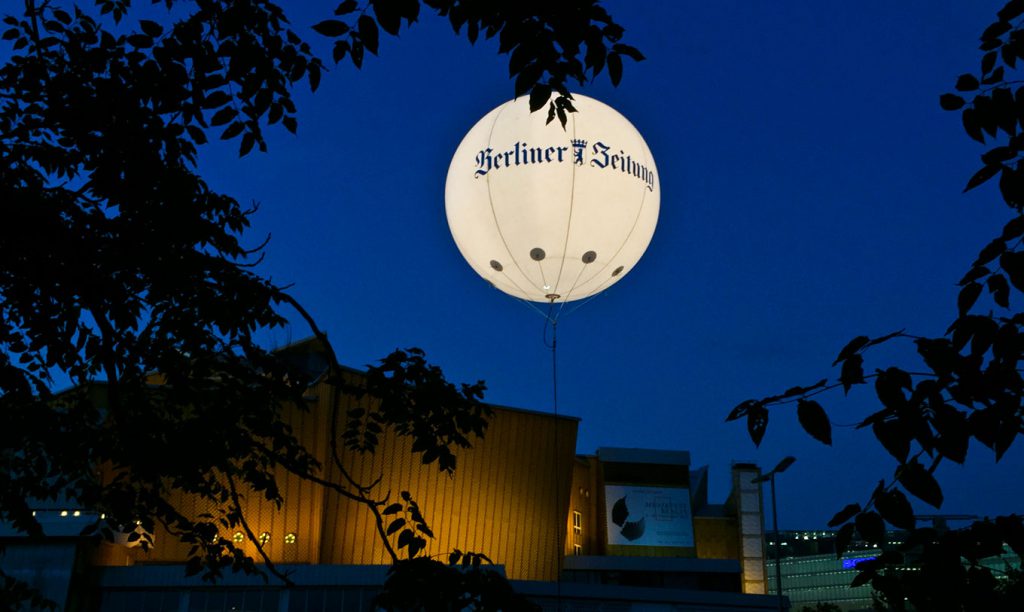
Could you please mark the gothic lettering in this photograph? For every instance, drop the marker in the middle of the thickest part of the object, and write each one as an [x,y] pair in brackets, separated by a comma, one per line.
[522,154]
[600,155]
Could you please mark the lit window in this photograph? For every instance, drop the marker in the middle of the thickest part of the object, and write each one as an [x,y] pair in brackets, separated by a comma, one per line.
[238,537]
[290,538]
[577,549]
[264,537]
[577,522]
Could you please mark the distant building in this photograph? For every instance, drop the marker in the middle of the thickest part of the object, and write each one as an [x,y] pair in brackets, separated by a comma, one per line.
[812,573]
[622,529]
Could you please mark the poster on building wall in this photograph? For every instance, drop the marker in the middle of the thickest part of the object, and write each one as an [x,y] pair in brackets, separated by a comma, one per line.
[648,516]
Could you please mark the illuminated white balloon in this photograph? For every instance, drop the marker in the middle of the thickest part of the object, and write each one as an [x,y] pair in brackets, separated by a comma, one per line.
[547,214]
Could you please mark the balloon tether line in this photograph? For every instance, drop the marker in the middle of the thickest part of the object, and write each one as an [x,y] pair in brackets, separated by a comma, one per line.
[554,354]
[553,322]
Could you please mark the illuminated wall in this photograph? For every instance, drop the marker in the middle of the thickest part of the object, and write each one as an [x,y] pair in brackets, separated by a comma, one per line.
[716,537]
[507,499]
[729,531]
[581,521]
[748,506]
[521,496]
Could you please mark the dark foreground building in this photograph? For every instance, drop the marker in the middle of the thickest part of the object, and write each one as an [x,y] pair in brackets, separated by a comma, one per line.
[624,529]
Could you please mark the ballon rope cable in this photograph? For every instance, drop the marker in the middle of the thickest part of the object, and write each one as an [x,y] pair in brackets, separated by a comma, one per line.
[584,303]
[531,306]
[554,402]
[543,278]
[561,307]
[549,321]
[516,285]
[494,214]
[572,203]
[600,288]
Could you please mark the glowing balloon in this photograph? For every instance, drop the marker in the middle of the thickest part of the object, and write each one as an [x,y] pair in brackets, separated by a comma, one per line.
[552,215]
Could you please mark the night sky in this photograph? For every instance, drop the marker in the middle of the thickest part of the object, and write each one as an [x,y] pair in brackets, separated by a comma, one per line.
[811,192]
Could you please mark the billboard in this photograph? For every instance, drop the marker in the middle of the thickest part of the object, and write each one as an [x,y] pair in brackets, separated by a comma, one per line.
[648,516]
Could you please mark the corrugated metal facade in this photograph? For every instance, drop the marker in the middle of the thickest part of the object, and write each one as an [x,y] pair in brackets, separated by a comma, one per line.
[521,496]
[507,499]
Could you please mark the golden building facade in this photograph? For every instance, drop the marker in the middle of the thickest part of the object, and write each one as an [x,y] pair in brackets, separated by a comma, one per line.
[521,495]
[507,497]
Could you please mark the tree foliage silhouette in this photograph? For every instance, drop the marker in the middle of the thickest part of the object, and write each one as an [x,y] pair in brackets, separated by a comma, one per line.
[117,260]
[968,385]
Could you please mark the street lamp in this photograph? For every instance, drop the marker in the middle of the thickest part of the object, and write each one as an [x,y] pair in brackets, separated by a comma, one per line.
[770,477]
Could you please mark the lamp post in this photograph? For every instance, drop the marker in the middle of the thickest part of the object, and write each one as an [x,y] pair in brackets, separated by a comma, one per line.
[770,477]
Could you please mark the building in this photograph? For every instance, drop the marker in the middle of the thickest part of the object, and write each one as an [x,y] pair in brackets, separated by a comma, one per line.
[618,530]
[813,573]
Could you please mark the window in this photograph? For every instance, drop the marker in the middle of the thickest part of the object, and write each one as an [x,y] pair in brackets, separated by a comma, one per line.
[577,549]
[577,522]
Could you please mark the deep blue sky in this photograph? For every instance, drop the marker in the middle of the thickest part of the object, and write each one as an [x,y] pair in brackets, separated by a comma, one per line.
[811,193]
